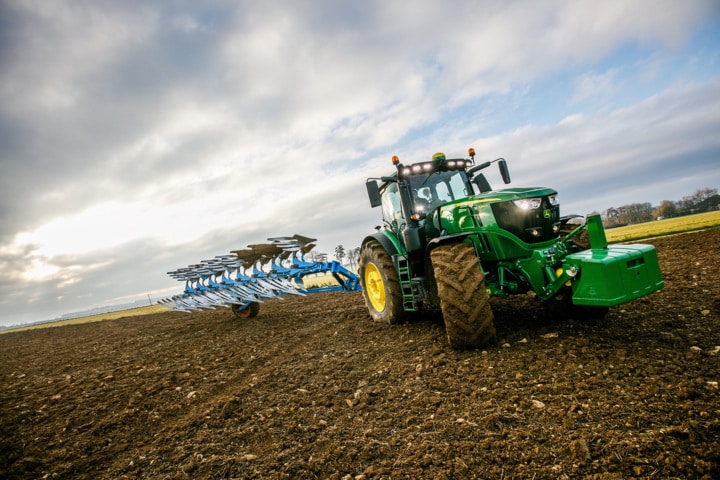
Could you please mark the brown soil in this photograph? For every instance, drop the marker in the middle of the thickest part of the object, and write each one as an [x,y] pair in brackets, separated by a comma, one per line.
[311,388]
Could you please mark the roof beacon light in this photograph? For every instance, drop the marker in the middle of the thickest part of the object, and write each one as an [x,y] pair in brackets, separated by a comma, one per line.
[395,159]
[438,157]
[471,153]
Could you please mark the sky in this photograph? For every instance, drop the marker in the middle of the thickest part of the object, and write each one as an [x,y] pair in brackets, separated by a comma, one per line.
[139,137]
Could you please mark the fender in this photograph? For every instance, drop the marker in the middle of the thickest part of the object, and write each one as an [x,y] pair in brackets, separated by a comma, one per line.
[454,238]
[389,242]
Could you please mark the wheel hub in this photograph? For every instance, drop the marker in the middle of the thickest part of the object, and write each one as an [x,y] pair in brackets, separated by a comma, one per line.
[374,287]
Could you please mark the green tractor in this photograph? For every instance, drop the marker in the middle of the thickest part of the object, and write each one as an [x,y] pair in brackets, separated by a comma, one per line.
[449,240]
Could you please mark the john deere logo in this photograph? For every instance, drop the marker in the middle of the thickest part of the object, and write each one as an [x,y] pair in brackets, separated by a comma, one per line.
[547,213]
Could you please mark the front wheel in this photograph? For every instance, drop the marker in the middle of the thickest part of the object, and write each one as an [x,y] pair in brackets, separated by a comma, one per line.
[464,301]
[380,284]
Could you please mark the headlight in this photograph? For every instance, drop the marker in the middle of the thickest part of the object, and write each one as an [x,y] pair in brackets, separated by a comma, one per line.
[553,200]
[528,203]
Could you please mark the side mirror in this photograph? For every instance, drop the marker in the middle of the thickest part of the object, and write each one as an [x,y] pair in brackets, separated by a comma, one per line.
[482,183]
[504,172]
[373,191]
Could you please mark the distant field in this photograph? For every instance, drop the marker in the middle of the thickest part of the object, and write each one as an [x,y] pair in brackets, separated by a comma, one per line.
[93,318]
[667,226]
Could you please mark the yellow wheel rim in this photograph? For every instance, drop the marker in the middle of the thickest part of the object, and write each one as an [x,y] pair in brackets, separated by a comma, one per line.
[374,287]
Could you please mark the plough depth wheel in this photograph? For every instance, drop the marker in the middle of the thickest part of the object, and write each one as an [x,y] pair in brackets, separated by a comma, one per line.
[249,310]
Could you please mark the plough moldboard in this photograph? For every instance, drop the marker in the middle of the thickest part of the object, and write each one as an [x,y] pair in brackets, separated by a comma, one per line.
[244,278]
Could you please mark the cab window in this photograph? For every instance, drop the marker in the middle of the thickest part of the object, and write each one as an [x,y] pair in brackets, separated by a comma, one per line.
[391,210]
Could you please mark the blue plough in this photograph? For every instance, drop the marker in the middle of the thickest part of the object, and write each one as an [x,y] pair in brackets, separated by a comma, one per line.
[245,278]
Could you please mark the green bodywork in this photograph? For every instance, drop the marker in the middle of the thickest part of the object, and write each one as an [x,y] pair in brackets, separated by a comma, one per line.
[518,249]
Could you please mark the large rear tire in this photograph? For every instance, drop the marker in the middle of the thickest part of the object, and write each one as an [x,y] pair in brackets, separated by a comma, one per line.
[380,284]
[464,300]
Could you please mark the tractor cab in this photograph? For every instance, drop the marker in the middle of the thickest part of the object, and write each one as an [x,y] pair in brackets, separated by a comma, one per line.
[411,196]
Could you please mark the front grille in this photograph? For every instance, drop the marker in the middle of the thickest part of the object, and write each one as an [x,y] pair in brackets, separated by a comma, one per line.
[531,226]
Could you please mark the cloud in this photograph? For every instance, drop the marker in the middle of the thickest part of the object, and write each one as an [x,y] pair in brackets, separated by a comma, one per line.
[619,157]
[593,85]
[130,129]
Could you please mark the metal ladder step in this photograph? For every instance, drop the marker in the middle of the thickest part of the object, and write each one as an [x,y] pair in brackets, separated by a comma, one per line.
[406,288]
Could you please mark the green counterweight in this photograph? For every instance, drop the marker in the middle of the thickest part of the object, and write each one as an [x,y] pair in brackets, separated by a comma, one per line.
[611,275]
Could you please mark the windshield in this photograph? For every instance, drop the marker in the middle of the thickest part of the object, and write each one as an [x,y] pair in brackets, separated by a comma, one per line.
[440,187]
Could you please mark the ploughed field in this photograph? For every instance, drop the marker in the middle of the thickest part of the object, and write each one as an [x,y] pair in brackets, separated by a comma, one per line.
[312,388]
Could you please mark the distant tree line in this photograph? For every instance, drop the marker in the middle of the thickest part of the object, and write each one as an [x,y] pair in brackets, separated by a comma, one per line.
[352,256]
[703,200]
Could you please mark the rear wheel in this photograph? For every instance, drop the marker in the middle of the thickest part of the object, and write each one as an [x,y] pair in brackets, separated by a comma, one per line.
[247,310]
[380,284]
[464,301]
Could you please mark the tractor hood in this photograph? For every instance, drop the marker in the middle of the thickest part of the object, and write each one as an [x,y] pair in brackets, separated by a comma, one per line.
[499,196]
[509,194]
[531,214]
